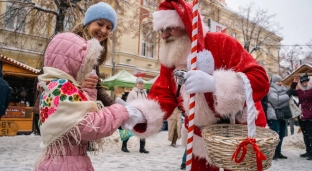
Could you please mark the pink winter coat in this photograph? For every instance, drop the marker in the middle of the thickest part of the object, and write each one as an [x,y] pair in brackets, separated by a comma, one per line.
[68,115]
[77,159]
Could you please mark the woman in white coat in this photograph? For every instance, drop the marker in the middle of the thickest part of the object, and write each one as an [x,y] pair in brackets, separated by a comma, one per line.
[136,93]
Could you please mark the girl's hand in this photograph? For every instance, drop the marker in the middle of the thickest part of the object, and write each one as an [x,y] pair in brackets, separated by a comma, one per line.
[90,81]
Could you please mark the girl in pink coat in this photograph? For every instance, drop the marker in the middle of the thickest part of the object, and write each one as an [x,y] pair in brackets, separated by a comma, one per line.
[70,115]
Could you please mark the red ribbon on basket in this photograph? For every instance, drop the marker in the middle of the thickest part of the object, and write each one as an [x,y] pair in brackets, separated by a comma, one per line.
[259,155]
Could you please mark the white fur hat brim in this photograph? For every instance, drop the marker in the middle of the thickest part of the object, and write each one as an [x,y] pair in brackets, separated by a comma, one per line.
[166,18]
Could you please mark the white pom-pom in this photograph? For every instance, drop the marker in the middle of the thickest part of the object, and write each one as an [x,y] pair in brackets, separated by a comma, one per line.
[205,62]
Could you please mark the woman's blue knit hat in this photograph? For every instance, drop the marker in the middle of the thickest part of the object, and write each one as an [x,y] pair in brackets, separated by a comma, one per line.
[100,10]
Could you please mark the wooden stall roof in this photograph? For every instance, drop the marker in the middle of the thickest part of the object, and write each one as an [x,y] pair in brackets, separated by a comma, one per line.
[305,68]
[13,67]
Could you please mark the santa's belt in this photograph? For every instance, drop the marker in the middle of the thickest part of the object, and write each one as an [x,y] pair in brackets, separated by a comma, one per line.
[197,130]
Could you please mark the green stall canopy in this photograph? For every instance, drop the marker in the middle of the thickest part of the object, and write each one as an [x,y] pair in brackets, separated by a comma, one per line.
[123,79]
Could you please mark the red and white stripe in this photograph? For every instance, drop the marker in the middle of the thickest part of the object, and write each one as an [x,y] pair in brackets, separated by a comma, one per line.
[191,115]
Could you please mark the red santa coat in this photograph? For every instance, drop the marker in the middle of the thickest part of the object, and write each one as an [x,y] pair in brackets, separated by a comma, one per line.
[228,99]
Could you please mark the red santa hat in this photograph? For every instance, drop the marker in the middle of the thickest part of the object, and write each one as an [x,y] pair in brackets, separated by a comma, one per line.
[178,13]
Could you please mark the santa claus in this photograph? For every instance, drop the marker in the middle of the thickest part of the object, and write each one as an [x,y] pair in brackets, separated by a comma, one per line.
[219,91]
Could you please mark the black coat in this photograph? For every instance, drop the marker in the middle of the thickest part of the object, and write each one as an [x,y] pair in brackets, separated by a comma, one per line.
[5,96]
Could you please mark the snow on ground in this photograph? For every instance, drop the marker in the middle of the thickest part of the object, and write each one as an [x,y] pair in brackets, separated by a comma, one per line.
[19,153]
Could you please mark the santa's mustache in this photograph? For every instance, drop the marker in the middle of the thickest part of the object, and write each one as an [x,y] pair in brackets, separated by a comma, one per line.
[170,40]
[174,50]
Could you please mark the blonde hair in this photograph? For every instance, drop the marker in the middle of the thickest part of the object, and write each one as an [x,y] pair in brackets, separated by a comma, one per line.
[83,31]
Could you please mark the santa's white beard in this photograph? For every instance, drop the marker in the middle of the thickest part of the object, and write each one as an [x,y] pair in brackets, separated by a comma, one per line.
[175,52]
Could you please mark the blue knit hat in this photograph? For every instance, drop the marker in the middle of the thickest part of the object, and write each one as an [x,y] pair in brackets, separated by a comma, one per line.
[100,10]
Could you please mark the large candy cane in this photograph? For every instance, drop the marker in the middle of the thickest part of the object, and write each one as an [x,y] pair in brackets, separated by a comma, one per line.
[190,134]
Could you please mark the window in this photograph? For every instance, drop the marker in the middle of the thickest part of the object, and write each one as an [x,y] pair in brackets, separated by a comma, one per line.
[68,21]
[269,53]
[149,3]
[147,49]
[151,51]
[145,2]
[143,50]
[14,18]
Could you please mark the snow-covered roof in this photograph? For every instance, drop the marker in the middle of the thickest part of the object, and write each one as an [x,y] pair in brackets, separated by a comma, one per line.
[305,68]
[19,64]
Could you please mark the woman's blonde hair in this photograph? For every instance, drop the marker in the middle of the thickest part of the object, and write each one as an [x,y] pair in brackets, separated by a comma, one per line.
[83,31]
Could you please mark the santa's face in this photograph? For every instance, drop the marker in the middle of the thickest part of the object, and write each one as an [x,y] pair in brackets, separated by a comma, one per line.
[169,32]
[174,50]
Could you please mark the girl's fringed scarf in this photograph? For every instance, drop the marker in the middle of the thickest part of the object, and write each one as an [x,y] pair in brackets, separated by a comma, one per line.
[63,107]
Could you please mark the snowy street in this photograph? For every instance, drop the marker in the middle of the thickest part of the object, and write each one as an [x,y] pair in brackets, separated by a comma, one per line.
[20,152]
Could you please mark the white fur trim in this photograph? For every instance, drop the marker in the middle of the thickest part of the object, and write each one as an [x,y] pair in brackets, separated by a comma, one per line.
[203,114]
[153,115]
[94,49]
[204,61]
[241,117]
[198,144]
[166,18]
[229,96]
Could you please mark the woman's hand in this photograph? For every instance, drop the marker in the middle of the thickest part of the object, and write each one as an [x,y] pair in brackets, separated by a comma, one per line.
[296,79]
[90,81]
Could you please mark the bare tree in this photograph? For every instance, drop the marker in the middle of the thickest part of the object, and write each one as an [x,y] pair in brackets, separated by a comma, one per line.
[146,25]
[28,25]
[290,59]
[308,54]
[256,25]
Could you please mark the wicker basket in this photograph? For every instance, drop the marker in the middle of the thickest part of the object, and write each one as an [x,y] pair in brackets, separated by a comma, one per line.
[222,140]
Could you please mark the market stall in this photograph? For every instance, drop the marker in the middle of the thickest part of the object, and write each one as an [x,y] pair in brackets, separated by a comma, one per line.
[123,79]
[22,80]
[122,82]
[305,68]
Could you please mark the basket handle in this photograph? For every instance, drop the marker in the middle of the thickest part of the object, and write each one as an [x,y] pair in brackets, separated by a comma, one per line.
[251,109]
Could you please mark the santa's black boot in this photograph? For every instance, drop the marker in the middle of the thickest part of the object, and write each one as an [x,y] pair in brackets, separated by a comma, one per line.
[124,146]
[142,146]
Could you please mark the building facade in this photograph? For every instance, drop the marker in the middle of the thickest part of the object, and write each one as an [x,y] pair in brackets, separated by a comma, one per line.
[134,46]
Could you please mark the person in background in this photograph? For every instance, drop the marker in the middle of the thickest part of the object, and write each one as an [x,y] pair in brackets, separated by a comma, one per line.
[36,109]
[137,92]
[5,95]
[291,123]
[183,165]
[69,113]
[304,93]
[36,114]
[174,126]
[278,98]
